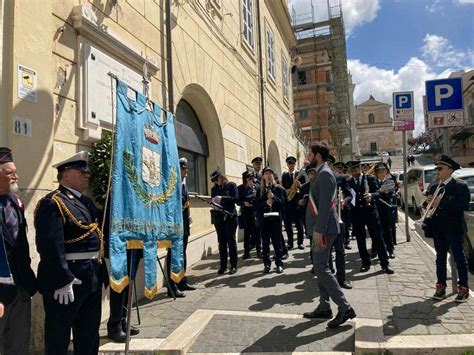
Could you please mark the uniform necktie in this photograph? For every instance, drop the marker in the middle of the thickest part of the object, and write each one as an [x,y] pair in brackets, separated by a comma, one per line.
[11,218]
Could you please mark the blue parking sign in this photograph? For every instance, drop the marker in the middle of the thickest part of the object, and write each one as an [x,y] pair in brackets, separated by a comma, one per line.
[403,100]
[444,94]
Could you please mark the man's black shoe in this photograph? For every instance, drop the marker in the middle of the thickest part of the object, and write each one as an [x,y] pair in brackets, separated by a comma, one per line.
[391,255]
[345,284]
[373,254]
[133,330]
[186,287]
[117,335]
[285,256]
[279,269]
[317,314]
[348,247]
[246,256]
[233,270]
[342,317]
[289,246]
[259,255]
[221,270]
[177,293]
[300,246]
[266,269]
[387,270]
[364,268]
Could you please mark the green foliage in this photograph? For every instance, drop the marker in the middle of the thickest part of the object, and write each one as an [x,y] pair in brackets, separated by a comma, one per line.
[99,166]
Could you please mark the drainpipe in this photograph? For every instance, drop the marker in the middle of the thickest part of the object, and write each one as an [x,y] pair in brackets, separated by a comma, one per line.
[169,60]
[261,85]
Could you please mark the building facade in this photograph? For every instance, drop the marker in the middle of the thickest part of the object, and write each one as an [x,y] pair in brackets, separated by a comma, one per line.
[321,82]
[374,128]
[56,94]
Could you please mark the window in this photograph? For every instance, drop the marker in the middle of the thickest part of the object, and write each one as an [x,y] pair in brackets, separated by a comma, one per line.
[373,146]
[303,114]
[301,77]
[271,53]
[247,22]
[371,118]
[192,145]
[284,76]
[328,76]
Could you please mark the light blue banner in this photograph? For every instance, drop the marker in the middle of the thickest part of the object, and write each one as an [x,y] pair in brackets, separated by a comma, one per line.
[146,189]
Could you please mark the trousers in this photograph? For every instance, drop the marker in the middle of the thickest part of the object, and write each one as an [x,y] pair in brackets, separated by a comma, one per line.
[272,233]
[15,325]
[329,288]
[227,241]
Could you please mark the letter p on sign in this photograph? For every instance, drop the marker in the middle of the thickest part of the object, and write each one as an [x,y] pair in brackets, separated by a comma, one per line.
[443,91]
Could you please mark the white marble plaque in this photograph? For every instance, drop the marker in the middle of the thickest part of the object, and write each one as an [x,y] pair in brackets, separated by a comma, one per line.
[96,84]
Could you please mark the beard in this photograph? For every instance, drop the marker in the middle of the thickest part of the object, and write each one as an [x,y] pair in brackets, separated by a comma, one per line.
[14,187]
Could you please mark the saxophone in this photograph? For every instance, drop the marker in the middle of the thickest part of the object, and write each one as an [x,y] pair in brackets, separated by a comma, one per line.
[295,190]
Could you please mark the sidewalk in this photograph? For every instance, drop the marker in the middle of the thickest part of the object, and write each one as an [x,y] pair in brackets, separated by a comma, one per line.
[253,312]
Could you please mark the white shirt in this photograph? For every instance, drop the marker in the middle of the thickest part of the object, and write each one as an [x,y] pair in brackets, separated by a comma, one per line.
[445,182]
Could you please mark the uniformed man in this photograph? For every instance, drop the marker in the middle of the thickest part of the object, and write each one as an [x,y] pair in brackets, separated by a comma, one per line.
[224,193]
[71,270]
[184,285]
[247,193]
[257,167]
[448,226]
[340,170]
[291,183]
[15,295]
[364,213]
[383,199]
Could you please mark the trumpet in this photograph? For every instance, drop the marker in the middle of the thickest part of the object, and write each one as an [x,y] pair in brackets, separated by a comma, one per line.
[430,210]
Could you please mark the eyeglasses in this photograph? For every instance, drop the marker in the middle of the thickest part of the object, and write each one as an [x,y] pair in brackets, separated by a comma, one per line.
[8,173]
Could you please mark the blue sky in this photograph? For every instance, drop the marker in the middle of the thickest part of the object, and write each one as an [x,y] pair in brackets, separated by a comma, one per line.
[396,45]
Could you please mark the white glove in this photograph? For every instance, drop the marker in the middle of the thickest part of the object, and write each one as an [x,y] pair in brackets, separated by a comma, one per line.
[66,293]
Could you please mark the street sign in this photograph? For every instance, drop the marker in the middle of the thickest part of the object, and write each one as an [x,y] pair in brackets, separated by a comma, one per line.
[444,94]
[446,119]
[399,126]
[403,106]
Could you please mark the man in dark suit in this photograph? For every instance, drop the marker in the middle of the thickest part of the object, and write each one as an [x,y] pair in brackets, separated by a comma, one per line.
[322,220]
[292,214]
[71,271]
[257,169]
[364,213]
[15,295]
[448,226]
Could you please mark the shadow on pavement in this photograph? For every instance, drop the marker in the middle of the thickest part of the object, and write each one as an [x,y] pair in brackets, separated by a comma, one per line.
[424,312]
[281,339]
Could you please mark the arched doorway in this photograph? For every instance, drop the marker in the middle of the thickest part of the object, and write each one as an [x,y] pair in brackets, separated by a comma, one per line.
[273,158]
[199,135]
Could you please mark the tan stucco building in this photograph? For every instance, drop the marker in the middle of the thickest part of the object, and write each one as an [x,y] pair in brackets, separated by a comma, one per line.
[374,128]
[65,48]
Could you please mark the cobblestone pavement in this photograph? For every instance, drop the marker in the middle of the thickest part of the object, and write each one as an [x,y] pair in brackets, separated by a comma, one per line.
[401,300]
[226,333]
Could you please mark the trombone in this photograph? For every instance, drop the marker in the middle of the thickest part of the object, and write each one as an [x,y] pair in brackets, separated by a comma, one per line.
[430,210]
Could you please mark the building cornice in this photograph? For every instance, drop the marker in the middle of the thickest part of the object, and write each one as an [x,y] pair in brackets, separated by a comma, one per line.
[279,11]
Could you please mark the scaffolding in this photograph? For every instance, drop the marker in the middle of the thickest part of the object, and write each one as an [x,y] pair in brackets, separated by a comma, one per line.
[315,35]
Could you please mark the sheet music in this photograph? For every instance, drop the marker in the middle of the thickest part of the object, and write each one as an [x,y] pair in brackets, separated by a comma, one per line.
[353,193]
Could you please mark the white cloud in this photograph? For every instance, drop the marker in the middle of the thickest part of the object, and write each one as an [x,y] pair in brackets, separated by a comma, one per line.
[382,83]
[438,51]
[434,7]
[355,12]
[464,2]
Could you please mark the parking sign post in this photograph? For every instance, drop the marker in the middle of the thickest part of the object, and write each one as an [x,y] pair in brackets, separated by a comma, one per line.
[404,120]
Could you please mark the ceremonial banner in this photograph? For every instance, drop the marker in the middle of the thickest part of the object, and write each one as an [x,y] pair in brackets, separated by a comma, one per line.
[146,189]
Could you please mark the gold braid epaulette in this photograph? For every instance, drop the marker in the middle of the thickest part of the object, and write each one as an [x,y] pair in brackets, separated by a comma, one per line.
[91,228]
